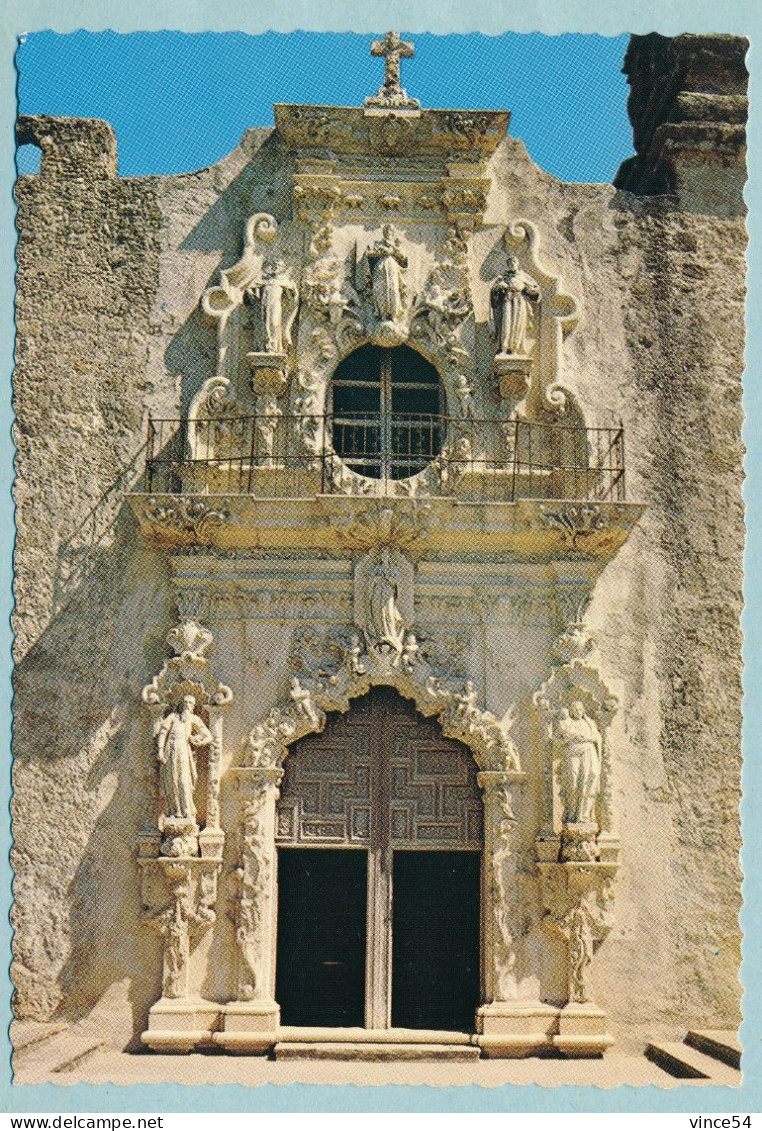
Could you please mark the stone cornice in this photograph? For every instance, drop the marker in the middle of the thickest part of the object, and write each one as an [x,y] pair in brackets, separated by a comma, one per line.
[349,130]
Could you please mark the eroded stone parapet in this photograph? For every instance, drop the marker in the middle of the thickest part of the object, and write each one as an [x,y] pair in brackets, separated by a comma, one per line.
[688,109]
[71,147]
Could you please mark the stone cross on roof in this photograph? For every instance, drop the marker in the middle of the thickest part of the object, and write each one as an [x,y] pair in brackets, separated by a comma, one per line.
[391,94]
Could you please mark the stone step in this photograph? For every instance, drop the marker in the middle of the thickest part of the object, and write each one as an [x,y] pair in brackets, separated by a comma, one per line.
[722,1044]
[689,1064]
[54,1054]
[24,1034]
[372,1050]
[311,1034]
[73,1063]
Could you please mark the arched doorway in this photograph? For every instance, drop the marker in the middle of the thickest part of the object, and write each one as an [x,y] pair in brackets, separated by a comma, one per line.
[379,838]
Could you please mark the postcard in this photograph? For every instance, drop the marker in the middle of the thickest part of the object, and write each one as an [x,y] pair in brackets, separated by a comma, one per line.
[379,564]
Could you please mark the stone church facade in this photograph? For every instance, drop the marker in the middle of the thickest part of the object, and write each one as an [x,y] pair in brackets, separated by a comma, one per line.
[378,580]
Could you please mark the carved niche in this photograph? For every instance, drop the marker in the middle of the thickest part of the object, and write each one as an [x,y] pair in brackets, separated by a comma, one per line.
[577,847]
[180,859]
[254,307]
[529,317]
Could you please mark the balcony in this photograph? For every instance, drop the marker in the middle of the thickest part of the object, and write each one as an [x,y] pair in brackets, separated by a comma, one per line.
[289,457]
[284,480]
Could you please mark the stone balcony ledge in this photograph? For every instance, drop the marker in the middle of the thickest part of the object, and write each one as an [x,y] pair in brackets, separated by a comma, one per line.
[529,529]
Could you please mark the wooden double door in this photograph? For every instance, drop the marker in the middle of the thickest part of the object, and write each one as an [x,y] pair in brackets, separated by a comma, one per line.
[379,874]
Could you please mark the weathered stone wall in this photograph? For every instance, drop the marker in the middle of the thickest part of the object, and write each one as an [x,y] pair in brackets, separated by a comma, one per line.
[87,277]
[110,275]
[660,346]
[688,109]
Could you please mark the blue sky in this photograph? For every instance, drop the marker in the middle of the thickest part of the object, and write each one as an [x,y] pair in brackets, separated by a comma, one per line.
[179,102]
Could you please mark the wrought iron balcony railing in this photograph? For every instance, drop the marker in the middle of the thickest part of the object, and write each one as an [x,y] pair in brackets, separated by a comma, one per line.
[296,456]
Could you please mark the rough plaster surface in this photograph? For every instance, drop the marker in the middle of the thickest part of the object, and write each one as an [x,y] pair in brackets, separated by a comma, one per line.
[110,275]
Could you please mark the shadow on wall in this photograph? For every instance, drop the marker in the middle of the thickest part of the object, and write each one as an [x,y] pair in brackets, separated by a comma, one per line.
[193,350]
[81,796]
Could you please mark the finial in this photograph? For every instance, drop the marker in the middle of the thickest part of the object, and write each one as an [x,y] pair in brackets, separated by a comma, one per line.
[391,94]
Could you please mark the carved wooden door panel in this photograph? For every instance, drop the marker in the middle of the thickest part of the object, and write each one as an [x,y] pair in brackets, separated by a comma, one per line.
[383,778]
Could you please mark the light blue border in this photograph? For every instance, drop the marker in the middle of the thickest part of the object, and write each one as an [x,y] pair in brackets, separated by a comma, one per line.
[614,17]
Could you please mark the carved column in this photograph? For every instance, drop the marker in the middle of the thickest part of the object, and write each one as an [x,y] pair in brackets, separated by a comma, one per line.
[499,889]
[578,901]
[507,1025]
[251,1022]
[577,853]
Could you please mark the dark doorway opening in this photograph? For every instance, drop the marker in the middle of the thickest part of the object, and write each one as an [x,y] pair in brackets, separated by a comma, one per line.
[435,948]
[320,967]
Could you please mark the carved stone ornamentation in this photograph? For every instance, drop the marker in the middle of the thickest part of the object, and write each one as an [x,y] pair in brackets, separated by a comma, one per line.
[337,670]
[256,302]
[501,913]
[436,315]
[327,291]
[255,875]
[215,424]
[178,901]
[380,525]
[391,95]
[578,902]
[187,520]
[576,521]
[524,366]
[465,397]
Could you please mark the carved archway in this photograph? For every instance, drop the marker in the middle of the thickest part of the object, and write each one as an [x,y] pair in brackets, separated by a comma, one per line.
[381,779]
[381,754]
[345,670]
[338,671]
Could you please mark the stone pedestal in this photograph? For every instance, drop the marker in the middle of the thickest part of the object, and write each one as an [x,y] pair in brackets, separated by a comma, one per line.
[515,1028]
[582,1030]
[268,373]
[512,372]
[181,1024]
[249,1026]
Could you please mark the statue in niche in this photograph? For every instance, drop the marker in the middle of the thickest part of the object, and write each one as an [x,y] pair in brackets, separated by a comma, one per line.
[384,614]
[386,262]
[180,735]
[511,296]
[580,745]
[269,294]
